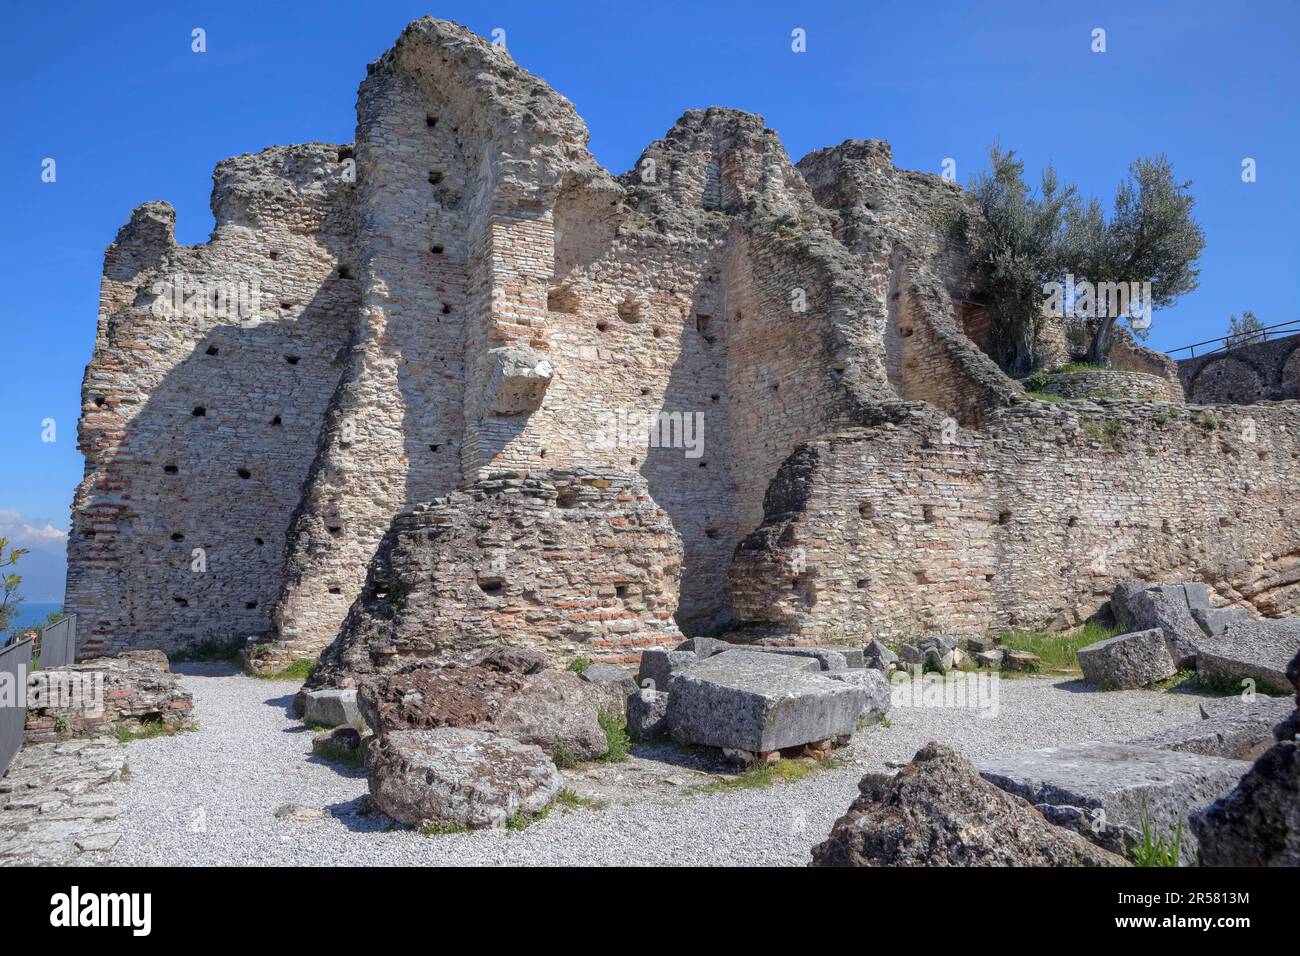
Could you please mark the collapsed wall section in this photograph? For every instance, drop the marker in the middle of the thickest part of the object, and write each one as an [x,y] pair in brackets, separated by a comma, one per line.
[905,528]
[572,563]
[212,369]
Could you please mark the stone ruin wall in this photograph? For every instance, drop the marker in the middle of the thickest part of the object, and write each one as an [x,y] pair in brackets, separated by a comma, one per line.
[476,226]
[907,527]
[1259,372]
[198,429]
[580,563]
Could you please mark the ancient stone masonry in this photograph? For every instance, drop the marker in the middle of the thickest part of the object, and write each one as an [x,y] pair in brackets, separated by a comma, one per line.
[1262,371]
[904,528]
[573,563]
[212,371]
[491,392]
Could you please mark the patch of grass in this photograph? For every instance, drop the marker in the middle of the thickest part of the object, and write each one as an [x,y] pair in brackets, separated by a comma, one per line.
[1058,651]
[1180,678]
[1206,421]
[125,774]
[522,820]
[571,800]
[299,670]
[1046,396]
[616,737]
[147,731]
[441,829]
[763,774]
[579,665]
[1078,367]
[211,650]
[1155,850]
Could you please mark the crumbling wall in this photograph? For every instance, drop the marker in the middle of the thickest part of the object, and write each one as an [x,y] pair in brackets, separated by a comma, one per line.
[907,527]
[573,563]
[212,369]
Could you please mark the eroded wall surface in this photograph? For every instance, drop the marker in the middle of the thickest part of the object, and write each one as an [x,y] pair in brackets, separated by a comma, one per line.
[493,392]
[905,528]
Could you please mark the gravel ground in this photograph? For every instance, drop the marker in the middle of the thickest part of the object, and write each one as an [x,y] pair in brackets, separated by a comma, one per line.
[209,797]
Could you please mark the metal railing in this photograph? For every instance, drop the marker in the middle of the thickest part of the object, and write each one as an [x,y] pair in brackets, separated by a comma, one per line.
[59,643]
[15,662]
[1253,337]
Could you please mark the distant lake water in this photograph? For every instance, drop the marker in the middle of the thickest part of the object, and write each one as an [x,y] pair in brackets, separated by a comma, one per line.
[32,614]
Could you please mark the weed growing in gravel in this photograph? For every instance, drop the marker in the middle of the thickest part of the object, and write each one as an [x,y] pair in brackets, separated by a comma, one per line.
[763,774]
[564,757]
[1059,651]
[522,820]
[146,731]
[571,800]
[579,665]
[440,829]
[618,742]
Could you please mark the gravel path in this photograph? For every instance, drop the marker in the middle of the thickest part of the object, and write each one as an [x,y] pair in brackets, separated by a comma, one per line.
[210,797]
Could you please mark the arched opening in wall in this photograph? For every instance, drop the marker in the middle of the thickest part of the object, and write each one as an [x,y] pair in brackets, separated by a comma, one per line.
[562,299]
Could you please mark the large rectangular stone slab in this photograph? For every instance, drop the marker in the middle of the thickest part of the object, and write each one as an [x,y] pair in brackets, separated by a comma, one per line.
[1256,649]
[1104,790]
[760,702]
[1237,738]
[1128,660]
[828,658]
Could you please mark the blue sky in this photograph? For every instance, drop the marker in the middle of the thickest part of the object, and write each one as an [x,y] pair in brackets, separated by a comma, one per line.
[114,94]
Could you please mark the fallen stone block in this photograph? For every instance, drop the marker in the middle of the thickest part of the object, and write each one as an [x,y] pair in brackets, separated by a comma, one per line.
[706,646]
[1259,650]
[991,658]
[978,644]
[876,685]
[1213,620]
[878,657]
[1258,823]
[937,811]
[1105,790]
[657,666]
[1163,606]
[647,714]
[1271,710]
[759,702]
[468,778]
[1233,738]
[1020,661]
[1128,660]
[828,659]
[332,707]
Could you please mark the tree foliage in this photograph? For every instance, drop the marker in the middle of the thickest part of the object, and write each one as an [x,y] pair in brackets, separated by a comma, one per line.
[1018,243]
[1244,330]
[1025,239]
[9,583]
